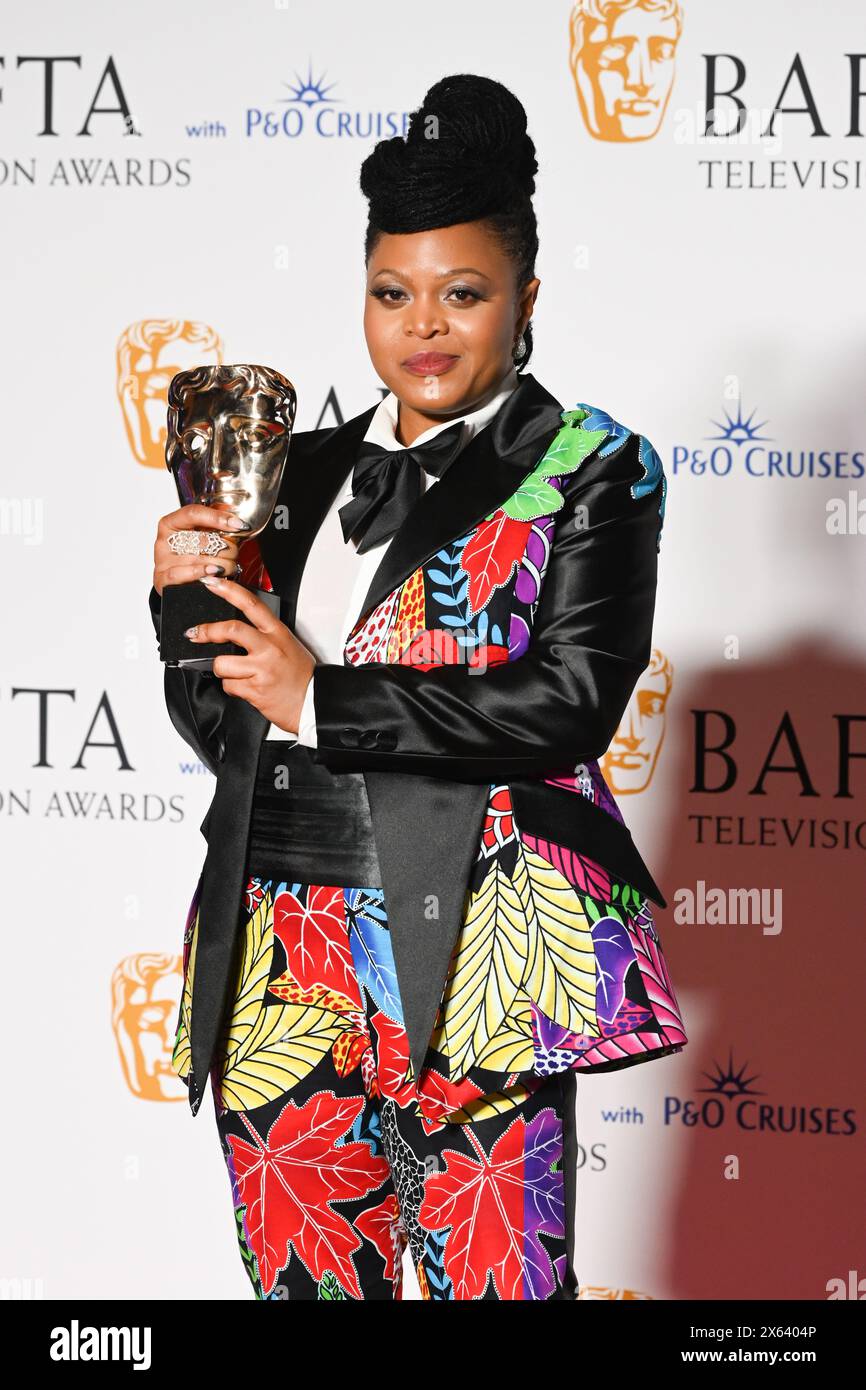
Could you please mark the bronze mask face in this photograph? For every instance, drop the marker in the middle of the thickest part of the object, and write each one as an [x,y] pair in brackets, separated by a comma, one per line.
[229,429]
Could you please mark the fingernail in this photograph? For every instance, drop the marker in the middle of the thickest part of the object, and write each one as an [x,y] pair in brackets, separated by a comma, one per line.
[236,524]
[215,569]
[191,632]
[209,580]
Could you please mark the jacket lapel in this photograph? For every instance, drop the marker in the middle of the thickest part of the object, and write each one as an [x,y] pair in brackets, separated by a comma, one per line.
[318,464]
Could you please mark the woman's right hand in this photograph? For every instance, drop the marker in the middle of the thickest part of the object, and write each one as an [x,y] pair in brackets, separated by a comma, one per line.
[169,568]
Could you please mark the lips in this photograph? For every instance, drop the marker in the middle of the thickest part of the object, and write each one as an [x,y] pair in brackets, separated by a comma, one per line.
[430,363]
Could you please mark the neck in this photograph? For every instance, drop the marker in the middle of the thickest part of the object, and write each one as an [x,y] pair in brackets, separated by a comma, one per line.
[411,423]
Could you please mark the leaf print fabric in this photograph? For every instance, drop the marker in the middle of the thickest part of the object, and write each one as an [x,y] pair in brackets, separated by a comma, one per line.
[557,965]
[337,1159]
[485,1198]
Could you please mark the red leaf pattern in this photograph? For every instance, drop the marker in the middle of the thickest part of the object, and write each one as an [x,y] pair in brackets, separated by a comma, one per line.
[482,1200]
[491,554]
[288,1178]
[315,941]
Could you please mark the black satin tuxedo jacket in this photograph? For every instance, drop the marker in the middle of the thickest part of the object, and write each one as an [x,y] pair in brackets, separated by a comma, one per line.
[557,584]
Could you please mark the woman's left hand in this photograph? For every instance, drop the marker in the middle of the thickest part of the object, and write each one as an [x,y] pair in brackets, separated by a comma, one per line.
[277,669]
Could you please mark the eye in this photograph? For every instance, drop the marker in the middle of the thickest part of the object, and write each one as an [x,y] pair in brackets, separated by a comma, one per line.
[385,293]
[610,53]
[193,444]
[386,290]
[256,436]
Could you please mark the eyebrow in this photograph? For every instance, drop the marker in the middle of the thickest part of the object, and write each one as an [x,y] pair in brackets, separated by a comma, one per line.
[457,270]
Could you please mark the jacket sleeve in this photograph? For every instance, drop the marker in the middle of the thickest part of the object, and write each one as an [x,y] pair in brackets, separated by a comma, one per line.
[196,703]
[557,705]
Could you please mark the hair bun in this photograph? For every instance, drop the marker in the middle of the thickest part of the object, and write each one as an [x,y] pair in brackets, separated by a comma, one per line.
[466,155]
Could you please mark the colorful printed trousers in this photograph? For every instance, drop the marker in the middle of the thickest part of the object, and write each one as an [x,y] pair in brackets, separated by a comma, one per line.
[337,1160]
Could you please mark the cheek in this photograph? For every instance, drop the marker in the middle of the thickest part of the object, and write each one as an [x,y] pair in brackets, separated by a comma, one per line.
[379,330]
[369,326]
[485,328]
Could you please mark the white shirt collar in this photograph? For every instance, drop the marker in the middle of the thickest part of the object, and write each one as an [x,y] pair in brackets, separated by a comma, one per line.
[383,425]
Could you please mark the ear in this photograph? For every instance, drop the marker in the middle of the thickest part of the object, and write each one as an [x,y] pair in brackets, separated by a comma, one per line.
[527,302]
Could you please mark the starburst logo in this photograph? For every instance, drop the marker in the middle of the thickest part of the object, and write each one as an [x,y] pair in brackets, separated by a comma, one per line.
[730,1082]
[309,90]
[738,430]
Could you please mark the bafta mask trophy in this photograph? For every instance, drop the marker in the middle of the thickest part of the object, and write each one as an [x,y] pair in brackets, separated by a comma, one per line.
[229,429]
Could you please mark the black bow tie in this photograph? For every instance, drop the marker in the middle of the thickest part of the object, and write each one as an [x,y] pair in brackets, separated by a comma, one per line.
[386,484]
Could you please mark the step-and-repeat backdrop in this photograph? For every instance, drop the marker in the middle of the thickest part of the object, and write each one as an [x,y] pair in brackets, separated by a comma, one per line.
[179,185]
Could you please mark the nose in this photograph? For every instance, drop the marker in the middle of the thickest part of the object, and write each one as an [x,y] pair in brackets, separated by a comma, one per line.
[425,317]
[639,69]
[218,464]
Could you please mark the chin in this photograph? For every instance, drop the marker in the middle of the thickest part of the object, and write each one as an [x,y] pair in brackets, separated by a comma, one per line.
[416,390]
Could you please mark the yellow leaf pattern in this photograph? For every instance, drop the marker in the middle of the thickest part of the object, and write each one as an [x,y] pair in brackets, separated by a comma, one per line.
[486,969]
[511,1047]
[524,938]
[561,968]
[266,1047]
[269,1047]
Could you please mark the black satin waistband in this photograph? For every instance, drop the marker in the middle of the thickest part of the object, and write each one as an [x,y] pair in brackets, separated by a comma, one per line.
[308,824]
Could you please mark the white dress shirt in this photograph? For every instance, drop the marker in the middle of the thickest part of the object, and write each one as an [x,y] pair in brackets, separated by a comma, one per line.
[336,578]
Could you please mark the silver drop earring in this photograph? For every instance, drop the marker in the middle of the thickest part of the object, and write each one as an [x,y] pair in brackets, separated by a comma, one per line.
[518,352]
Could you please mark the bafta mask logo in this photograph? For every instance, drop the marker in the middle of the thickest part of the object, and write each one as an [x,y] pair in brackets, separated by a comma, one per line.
[622,59]
[149,354]
[145,999]
[630,761]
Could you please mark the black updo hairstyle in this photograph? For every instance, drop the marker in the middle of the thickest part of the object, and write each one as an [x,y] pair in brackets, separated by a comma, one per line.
[466,157]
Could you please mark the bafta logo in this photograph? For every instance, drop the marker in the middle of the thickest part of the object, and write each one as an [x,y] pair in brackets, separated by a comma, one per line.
[149,354]
[630,761]
[145,998]
[622,59]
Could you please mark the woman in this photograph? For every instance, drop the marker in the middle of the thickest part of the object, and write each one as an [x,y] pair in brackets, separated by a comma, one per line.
[407,943]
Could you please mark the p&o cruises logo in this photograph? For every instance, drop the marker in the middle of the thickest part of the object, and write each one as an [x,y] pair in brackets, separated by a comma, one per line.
[733,1099]
[310,109]
[739,446]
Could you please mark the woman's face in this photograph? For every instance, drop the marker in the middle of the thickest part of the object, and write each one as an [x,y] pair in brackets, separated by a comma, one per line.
[441,318]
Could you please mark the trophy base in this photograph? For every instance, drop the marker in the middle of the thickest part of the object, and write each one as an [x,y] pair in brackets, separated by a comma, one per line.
[184,605]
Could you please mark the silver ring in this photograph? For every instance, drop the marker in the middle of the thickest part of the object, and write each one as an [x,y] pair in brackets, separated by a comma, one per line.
[196,543]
